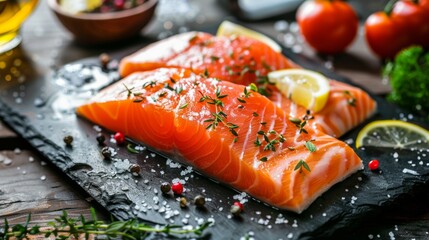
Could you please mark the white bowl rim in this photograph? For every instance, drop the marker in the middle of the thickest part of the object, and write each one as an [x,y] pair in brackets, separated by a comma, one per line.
[53,4]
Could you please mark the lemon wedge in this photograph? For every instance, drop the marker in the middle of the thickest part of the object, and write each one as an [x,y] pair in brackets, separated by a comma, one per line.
[227,28]
[306,88]
[393,134]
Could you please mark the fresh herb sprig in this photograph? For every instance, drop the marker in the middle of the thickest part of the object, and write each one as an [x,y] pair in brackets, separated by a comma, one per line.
[64,228]
[218,116]
[301,163]
[300,124]
[351,100]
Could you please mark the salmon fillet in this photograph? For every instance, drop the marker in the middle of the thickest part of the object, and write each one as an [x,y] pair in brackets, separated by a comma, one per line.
[226,131]
[244,60]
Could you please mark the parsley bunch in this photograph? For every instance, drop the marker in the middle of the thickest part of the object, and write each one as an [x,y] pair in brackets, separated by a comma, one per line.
[409,79]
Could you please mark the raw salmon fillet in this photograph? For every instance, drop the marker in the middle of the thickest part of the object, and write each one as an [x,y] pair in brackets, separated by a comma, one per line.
[226,131]
[244,60]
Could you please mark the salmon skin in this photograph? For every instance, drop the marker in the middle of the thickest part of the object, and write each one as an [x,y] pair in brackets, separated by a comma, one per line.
[244,60]
[226,131]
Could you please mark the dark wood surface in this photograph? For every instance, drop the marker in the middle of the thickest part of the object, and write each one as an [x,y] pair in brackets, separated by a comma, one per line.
[28,184]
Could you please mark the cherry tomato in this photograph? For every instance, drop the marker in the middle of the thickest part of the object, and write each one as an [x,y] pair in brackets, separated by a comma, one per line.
[425,5]
[406,24]
[414,20]
[329,26]
[384,35]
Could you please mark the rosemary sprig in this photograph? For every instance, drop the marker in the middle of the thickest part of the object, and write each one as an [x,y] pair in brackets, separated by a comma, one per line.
[130,92]
[64,227]
[149,84]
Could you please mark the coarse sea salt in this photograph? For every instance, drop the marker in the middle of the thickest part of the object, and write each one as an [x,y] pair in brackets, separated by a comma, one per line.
[409,171]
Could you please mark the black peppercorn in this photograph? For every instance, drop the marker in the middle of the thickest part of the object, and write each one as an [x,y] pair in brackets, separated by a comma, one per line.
[106,152]
[104,60]
[235,210]
[135,169]
[165,187]
[68,140]
[100,138]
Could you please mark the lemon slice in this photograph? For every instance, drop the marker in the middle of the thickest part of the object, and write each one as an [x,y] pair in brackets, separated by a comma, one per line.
[393,134]
[304,87]
[227,28]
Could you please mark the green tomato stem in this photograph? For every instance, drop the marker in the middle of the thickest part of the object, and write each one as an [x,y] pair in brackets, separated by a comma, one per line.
[389,7]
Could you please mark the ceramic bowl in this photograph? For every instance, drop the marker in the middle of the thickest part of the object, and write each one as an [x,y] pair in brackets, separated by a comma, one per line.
[101,28]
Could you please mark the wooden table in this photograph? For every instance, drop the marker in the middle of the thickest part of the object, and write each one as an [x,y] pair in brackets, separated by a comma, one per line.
[28,184]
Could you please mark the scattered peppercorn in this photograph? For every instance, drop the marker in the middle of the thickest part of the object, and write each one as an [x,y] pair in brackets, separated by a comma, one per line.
[240,205]
[235,210]
[68,140]
[106,152]
[119,138]
[104,60]
[199,201]
[135,169]
[373,164]
[100,138]
[183,202]
[177,188]
[165,187]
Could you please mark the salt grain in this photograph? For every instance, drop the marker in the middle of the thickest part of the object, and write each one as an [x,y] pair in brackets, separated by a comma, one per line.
[391,235]
[409,171]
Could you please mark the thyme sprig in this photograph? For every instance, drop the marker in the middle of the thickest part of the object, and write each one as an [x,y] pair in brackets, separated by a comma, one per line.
[130,92]
[300,124]
[247,91]
[310,146]
[218,116]
[270,143]
[65,227]
[301,163]
[351,100]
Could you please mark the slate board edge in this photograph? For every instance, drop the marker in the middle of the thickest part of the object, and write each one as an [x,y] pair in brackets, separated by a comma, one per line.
[53,153]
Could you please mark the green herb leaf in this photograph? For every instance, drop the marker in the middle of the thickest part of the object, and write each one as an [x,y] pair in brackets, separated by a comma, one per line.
[183,106]
[301,163]
[253,87]
[131,148]
[310,146]
[295,120]
[214,58]
[263,159]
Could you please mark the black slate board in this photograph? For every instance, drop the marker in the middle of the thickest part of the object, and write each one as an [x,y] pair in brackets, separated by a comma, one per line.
[41,111]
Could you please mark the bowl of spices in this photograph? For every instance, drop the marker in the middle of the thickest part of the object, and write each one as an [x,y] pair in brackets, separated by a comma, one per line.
[103,21]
